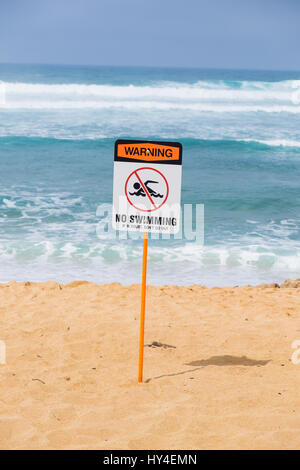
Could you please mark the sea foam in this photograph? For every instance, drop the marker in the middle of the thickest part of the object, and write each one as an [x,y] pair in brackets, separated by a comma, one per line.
[202,96]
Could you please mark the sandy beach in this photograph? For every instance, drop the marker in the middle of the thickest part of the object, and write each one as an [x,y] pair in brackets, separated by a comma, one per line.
[218,376]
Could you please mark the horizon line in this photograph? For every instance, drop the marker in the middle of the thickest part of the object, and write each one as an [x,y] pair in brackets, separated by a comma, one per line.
[184,67]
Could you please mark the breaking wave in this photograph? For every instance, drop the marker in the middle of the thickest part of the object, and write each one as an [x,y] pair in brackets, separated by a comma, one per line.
[215,96]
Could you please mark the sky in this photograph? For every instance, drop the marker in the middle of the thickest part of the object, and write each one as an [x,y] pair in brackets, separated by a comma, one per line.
[239,34]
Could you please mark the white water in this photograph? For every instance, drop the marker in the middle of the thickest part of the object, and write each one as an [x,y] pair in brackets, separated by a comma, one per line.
[203,96]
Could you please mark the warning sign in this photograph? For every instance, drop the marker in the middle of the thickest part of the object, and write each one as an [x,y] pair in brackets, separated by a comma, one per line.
[147,186]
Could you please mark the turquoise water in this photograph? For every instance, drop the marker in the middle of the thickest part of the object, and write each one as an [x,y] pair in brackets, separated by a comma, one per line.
[241,154]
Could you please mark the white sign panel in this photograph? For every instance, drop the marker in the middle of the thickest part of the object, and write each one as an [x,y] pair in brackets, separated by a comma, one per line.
[147,186]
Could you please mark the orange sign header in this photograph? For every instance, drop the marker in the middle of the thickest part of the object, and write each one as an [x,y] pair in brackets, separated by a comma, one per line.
[147,151]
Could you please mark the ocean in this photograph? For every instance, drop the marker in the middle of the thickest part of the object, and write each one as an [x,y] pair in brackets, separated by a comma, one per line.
[240,132]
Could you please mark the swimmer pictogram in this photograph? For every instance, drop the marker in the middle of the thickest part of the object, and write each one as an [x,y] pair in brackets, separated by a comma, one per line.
[140,192]
[146,189]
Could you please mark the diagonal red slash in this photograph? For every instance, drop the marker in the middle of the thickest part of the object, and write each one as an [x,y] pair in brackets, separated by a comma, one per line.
[144,188]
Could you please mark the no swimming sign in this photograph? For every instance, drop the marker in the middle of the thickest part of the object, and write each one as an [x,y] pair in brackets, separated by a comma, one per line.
[146,198]
[147,186]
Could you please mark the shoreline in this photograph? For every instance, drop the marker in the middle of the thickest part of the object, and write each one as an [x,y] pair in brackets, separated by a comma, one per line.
[218,367]
[287,283]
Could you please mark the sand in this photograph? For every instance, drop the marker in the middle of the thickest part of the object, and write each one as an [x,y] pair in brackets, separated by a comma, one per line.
[69,381]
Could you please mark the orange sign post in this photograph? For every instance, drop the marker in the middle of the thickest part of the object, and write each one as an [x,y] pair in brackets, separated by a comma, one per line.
[143,306]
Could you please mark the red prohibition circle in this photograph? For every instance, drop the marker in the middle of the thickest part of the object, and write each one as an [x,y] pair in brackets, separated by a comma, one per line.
[155,208]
